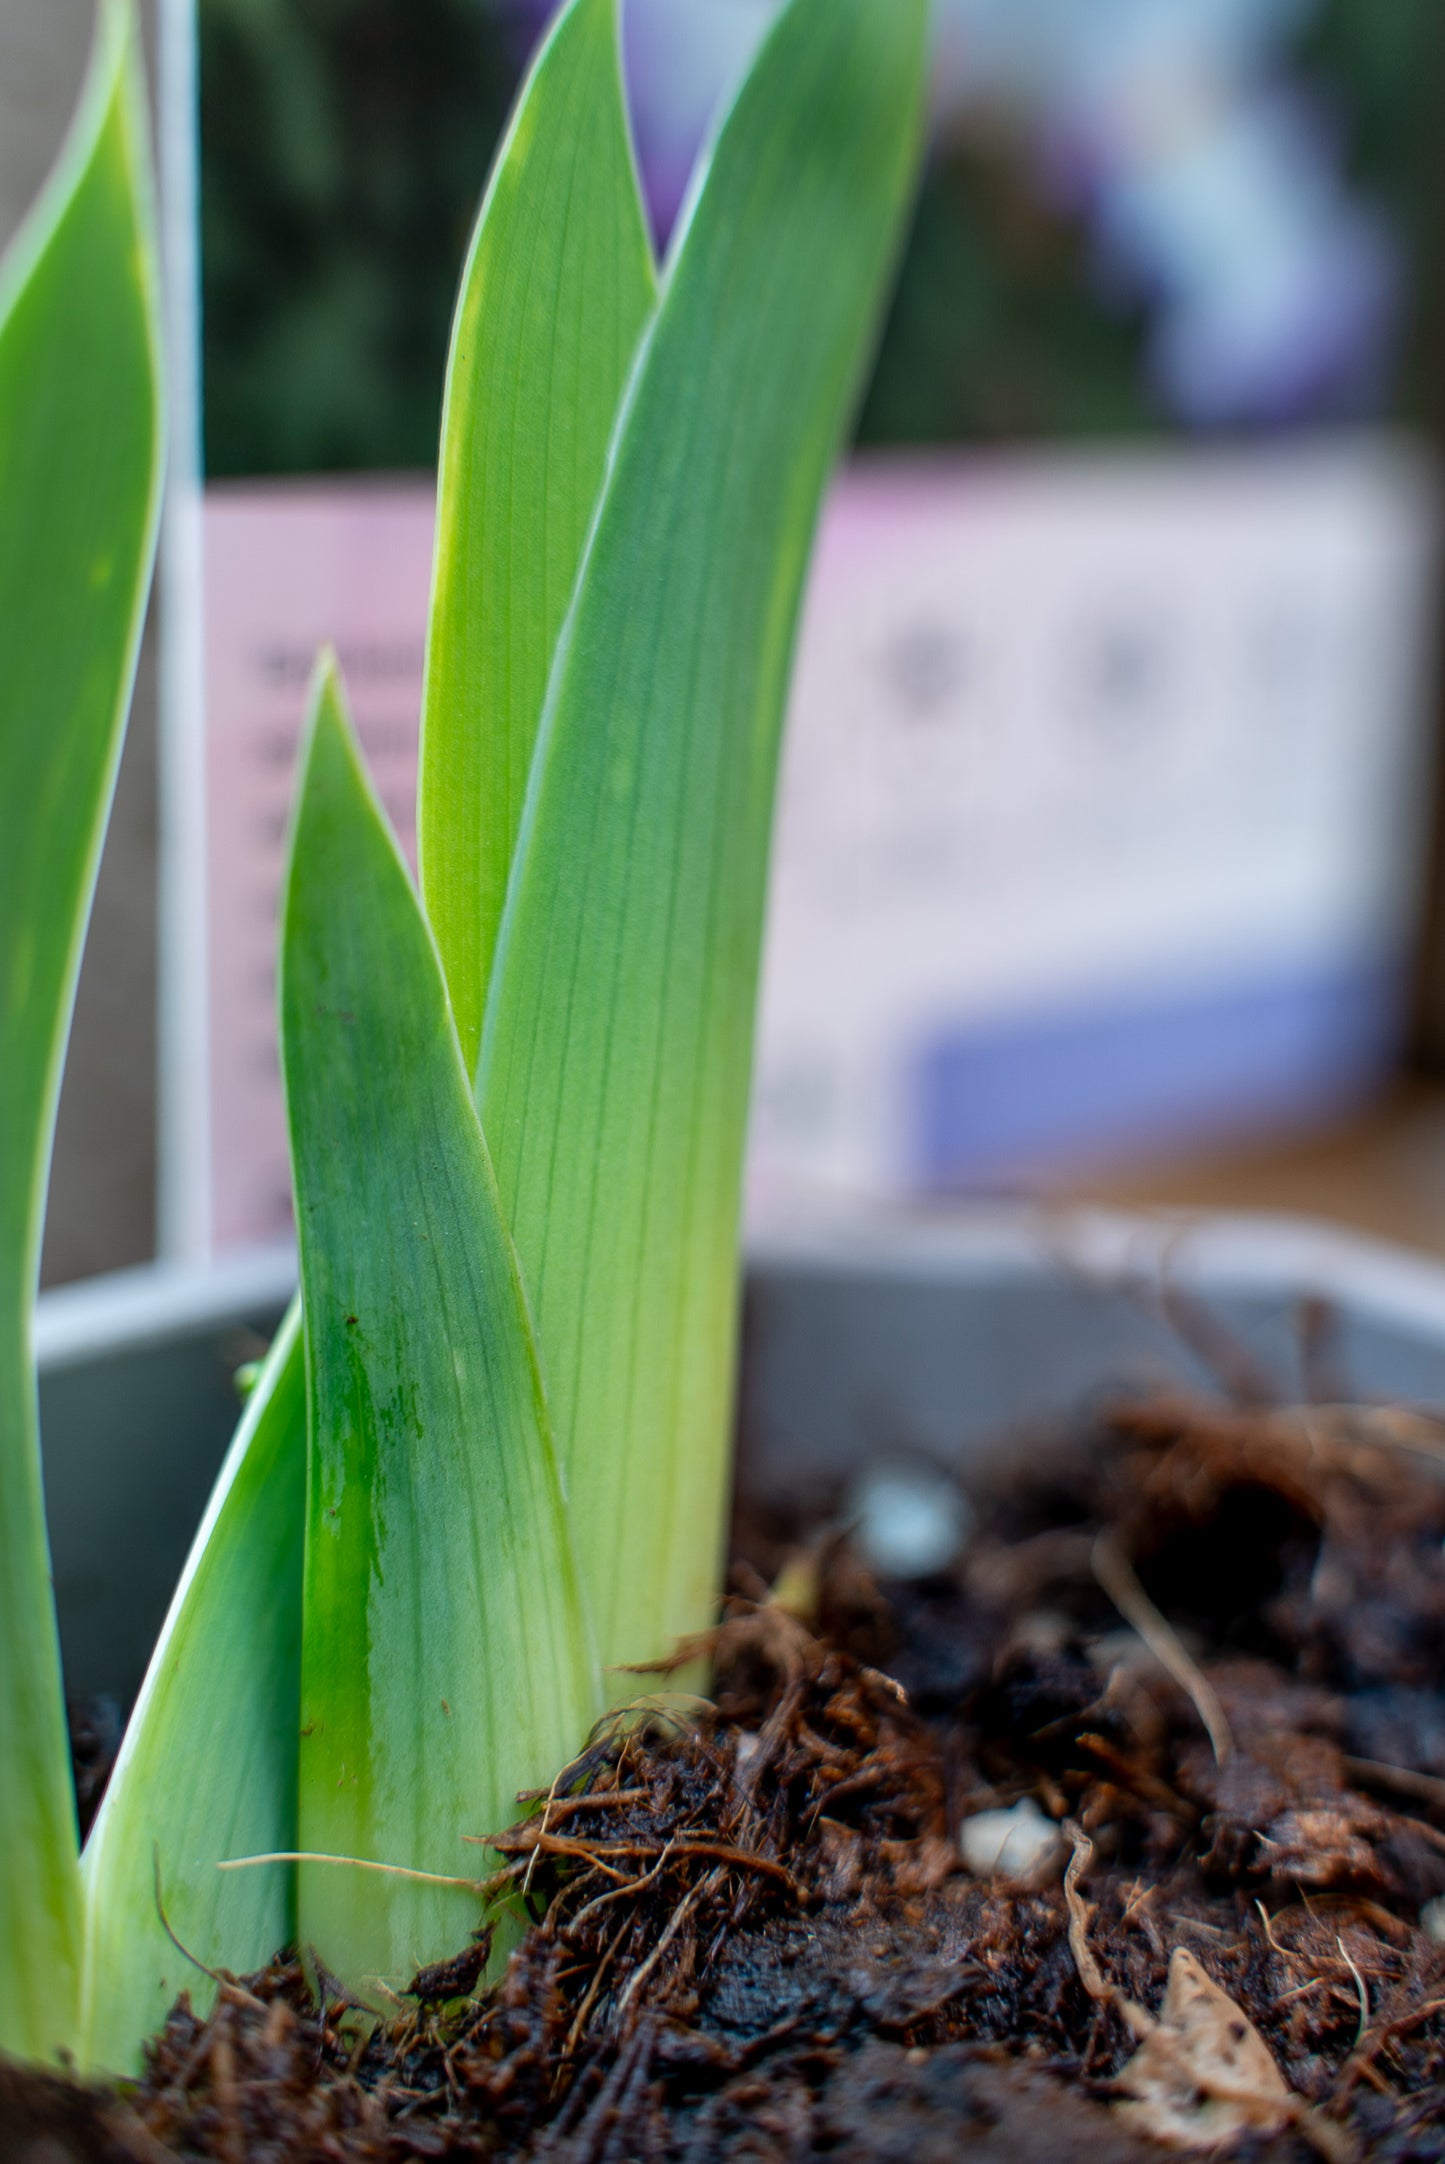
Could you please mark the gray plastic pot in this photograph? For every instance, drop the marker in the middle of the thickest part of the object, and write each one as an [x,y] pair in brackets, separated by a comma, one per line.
[919,1340]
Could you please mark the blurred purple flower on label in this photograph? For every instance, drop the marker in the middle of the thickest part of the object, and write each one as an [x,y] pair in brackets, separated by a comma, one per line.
[1212,188]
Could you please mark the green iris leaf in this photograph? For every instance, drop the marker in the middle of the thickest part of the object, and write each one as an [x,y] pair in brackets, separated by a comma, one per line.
[615,1063]
[207,1770]
[445,1658]
[80,461]
[558,287]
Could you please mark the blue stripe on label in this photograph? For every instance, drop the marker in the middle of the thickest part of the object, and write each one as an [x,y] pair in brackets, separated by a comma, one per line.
[1160,1069]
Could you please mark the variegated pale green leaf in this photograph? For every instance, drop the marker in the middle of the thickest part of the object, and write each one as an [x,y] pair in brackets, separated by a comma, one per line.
[557,288]
[79,486]
[207,1771]
[614,1071]
[445,1661]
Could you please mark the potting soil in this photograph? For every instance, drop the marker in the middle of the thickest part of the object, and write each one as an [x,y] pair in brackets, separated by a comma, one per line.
[1190,1671]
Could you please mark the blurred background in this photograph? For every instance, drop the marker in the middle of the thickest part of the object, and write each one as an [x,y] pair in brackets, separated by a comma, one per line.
[1107,861]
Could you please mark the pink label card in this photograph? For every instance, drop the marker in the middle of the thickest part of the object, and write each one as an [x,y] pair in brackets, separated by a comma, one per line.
[1102,812]
[289,569]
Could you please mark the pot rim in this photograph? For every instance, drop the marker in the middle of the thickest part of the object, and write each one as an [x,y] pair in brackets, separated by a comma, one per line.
[1206,1251]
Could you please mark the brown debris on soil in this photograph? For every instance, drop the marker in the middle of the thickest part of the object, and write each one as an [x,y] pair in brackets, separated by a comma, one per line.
[1207,1643]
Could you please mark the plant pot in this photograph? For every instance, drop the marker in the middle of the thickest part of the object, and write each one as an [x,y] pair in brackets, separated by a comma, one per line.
[909,1342]
[906,1339]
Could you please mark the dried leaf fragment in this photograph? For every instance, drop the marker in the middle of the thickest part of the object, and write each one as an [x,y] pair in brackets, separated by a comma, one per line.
[1204,2074]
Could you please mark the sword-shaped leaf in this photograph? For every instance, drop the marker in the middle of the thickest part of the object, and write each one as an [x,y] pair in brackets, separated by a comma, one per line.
[558,286]
[445,1661]
[207,1770]
[616,1051]
[80,459]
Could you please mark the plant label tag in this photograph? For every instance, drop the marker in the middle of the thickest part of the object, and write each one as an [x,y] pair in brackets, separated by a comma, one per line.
[1102,813]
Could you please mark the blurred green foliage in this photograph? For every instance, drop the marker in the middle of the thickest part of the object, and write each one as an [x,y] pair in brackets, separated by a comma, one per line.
[996,334]
[1382,65]
[345,144]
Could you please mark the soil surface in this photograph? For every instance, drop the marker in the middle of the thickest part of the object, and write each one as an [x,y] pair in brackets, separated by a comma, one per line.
[1197,1651]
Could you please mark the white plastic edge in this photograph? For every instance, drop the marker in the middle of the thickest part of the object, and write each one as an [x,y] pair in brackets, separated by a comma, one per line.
[1205,1252]
[130,1310]
[183,1200]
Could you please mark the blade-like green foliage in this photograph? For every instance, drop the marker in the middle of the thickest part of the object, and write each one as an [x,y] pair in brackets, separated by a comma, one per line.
[557,289]
[445,1661]
[614,1070]
[79,486]
[207,1770]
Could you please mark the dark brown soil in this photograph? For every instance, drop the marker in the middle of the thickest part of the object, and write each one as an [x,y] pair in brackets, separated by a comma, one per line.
[1208,1643]
[96,1727]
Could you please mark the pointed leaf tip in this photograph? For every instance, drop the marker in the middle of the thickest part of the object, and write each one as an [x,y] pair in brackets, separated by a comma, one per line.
[558,290]
[446,1661]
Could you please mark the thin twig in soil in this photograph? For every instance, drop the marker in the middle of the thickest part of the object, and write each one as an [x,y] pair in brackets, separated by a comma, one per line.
[1091,1976]
[1361,1987]
[633,1887]
[594,1987]
[1117,1576]
[742,1859]
[357,1863]
[697,1893]
[1397,1780]
[220,1977]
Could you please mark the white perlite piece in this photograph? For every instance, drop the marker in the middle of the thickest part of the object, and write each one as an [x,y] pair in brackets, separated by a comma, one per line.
[1432,1919]
[1019,1844]
[909,1523]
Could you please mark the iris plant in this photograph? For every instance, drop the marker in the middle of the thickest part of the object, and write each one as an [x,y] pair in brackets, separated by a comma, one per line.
[486,1461]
